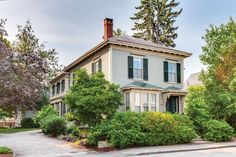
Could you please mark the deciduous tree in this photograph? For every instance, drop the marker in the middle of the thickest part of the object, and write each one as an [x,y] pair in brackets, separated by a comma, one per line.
[92,98]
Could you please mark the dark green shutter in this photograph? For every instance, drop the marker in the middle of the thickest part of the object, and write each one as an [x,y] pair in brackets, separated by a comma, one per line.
[165,71]
[93,68]
[178,72]
[130,67]
[100,64]
[145,69]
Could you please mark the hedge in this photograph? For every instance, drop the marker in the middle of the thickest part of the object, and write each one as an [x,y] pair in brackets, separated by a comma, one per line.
[138,129]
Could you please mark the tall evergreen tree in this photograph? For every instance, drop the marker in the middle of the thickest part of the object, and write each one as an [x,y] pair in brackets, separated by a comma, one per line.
[154,21]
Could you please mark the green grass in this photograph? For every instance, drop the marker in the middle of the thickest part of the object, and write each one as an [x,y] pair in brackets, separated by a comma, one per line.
[14,130]
[5,150]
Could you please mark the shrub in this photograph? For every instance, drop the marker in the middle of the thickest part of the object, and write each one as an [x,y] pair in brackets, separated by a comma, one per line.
[44,112]
[218,131]
[53,125]
[99,133]
[73,130]
[5,150]
[165,128]
[28,123]
[149,128]
[196,107]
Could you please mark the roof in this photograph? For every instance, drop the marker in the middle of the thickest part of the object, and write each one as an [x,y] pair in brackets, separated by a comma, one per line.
[193,79]
[131,42]
[128,41]
[148,45]
[141,85]
[172,88]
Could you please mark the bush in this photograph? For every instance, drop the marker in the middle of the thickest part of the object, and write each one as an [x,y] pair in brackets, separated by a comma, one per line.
[149,128]
[5,150]
[196,107]
[165,128]
[218,131]
[44,112]
[53,125]
[73,130]
[28,123]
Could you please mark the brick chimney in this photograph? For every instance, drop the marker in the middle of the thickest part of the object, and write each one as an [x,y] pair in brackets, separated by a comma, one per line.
[108,28]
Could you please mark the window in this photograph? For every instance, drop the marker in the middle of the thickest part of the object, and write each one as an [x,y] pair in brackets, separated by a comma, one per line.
[53,89]
[137,102]
[153,102]
[62,85]
[172,73]
[97,66]
[138,68]
[58,87]
[127,101]
[145,102]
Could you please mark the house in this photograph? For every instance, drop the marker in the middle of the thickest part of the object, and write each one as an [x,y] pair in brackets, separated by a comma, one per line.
[151,76]
[193,79]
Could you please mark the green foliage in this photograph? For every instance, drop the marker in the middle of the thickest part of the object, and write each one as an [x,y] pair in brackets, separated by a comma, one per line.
[149,128]
[218,131]
[5,150]
[119,32]
[53,125]
[196,107]
[4,114]
[28,123]
[73,130]
[92,98]
[69,116]
[165,128]
[220,78]
[154,20]
[45,111]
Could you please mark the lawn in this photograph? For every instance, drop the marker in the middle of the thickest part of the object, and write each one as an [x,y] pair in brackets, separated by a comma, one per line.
[14,130]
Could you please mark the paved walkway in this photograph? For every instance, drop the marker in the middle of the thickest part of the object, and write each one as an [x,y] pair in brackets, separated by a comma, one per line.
[35,144]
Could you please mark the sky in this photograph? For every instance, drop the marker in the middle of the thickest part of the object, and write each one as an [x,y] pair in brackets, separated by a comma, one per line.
[73,27]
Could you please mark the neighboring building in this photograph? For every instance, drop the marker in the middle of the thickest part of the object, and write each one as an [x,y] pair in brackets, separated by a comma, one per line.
[193,79]
[151,76]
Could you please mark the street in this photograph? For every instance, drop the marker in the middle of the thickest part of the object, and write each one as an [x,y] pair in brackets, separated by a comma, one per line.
[36,144]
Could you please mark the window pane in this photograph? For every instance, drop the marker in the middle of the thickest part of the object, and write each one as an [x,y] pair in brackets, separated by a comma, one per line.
[138,68]
[145,102]
[153,102]
[137,102]
[172,74]
[127,101]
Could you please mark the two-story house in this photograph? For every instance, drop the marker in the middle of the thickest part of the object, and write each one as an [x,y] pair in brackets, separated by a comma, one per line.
[151,76]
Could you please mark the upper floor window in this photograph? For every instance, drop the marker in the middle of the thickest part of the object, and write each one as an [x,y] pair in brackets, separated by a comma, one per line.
[172,72]
[137,67]
[58,87]
[53,89]
[97,66]
[62,85]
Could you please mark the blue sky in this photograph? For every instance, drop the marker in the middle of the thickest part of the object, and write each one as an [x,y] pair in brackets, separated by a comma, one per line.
[74,26]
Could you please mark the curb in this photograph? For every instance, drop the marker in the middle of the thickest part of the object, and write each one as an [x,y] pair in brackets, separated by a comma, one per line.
[184,150]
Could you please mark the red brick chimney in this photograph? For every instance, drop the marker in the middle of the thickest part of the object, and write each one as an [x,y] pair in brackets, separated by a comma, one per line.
[108,28]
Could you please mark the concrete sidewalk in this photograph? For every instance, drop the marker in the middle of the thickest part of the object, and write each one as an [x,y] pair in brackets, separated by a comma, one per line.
[175,148]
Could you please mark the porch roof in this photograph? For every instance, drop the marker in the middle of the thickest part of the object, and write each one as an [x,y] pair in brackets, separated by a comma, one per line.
[174,90]
[141,85]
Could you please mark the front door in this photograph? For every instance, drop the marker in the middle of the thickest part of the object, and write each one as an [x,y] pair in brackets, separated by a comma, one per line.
[172,104]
